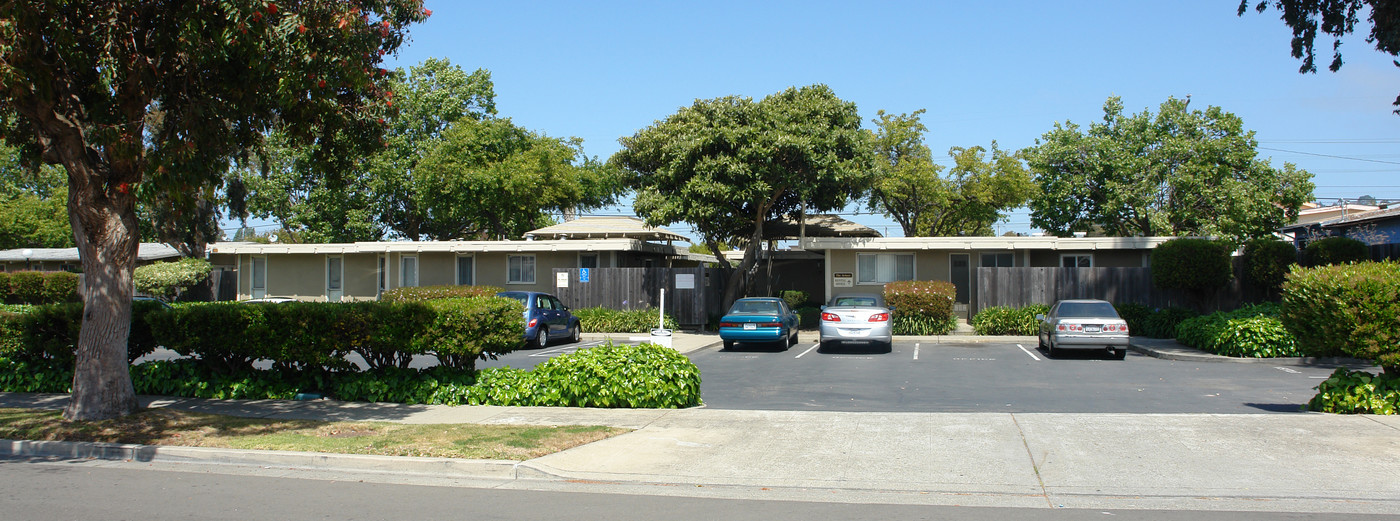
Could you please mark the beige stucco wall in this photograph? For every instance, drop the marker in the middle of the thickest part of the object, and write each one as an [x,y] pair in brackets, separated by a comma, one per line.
[1102,258]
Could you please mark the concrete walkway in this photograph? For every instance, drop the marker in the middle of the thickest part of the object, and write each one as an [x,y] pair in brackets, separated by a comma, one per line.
[1303,462]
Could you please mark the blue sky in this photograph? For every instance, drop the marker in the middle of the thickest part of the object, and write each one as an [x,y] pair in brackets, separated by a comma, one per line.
[1004,71]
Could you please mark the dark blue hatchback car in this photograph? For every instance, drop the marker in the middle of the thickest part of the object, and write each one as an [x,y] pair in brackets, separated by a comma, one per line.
[546,318]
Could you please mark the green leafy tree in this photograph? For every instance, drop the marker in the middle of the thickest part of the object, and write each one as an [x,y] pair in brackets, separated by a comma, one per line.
[911,189]
[1335,18]
[32,196]
[1179,172]
[308,199]
[727,165]
[221,73]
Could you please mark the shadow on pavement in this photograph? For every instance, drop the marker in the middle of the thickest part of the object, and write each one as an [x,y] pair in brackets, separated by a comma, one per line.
[1278,407]
[857,349]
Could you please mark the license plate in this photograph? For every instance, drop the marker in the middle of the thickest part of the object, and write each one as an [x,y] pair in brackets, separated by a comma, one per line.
[750,326]
[1091,329]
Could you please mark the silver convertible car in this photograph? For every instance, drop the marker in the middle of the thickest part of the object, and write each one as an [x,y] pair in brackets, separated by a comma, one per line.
[856,319]
[1083,324]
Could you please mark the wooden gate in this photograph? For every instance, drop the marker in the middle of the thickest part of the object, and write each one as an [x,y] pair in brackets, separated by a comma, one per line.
[690,292]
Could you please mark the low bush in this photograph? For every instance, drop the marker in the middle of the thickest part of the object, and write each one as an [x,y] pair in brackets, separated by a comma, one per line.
[604,320]
[1267,261]
[794,298]
[1249,332]
[38,287]
[1357,392]
[1002,320]
[643,376]
[1335,250]
[49,334]
[20,376]
[166,280]
[421,293]
[1346,309]
[1153,322]
[809,317]
[464,330]
[923,307]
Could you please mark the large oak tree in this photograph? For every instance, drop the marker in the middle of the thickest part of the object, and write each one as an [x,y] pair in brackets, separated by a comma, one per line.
[86,79]
[727,165]
[1178,172]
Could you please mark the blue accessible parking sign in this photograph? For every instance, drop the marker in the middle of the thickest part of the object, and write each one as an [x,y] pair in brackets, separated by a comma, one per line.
[583,274]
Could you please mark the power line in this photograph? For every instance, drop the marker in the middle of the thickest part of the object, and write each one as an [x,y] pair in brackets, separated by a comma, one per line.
[1331,156]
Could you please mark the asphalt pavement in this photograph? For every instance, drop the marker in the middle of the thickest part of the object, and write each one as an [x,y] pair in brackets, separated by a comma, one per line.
[1304,462]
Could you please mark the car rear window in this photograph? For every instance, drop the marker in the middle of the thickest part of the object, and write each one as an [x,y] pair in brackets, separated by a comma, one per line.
[855,301]
[1087,309]
[755,307]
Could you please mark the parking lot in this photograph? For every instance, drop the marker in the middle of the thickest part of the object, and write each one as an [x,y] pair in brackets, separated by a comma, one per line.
[994,377]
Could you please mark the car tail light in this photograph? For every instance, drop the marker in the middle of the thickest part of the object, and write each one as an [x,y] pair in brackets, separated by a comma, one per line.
[770,324]
[729,324]
[879,317]
[830,317]
[533,322]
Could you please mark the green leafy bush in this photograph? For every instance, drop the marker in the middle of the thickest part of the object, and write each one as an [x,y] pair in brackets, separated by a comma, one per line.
[38,287]
[1002,320]
[166,280]
[1249,332]
[21,376]
[1335,250]
[1153,322]
[49,334]
[922,307]
[1351,309]
[809,317]
[794,298]
[1197,266]
[604,320]
[643,376]
[463,330]
[1357,392]
[421,293]
[225,336]
[1267,261]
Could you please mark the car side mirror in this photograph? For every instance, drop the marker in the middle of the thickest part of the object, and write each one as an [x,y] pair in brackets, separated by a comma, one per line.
[1039,317]
[823,307]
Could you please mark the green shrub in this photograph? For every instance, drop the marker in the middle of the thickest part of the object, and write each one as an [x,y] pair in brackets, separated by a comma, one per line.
[1197,266]
[1357,392]
[464,330]
[225,336]
[20,376]
[604,320]
[1351,309]
[49,334]
[1266,262]
[1001,320]
[1335,250]
[923,307]
[643,376]
[421,293]
[809,317]
[1249,332]
[11,334]
[166,280]
[1162,322]
[26,287]
[794,298]
[1135,315]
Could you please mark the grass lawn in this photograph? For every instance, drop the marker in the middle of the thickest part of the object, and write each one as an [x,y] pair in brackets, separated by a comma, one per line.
[193,429]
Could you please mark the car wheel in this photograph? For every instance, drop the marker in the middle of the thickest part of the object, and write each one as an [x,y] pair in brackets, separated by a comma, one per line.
[793,341]
[729,344]
[541,338]
[1039,342]
[1118,354]
[577,336]
[1050,349]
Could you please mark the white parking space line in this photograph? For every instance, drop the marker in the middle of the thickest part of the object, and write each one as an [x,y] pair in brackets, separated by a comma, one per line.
[564,349]
[814,346]
[1023,348]
[1289,370]
[916,351]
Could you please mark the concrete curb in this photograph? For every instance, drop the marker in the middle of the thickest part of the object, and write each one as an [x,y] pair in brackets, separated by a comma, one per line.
[438,467]
[1187,354]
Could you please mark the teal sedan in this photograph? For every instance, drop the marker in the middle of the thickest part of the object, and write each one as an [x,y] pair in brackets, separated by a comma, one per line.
[759,320]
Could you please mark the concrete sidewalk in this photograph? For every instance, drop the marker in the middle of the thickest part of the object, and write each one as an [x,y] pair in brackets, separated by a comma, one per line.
[1277,462]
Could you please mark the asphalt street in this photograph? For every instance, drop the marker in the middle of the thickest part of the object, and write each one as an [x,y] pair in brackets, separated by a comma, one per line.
[992,377]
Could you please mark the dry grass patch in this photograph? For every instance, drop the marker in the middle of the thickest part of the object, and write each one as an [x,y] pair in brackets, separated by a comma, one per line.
[193,429]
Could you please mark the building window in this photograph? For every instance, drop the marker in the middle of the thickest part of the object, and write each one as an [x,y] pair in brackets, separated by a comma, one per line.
[408,271]
[998,260]
[588,260]
[873,268]
[1076,260]
[259,277]
[466,270]
[383,274]
[520,269]
[333,273]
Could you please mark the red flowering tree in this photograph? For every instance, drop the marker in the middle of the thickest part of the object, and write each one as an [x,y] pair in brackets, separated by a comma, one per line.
[158,96]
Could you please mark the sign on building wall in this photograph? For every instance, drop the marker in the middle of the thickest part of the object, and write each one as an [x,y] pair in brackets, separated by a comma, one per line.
[843,279]
[583,275]
[685,281]
[561,279]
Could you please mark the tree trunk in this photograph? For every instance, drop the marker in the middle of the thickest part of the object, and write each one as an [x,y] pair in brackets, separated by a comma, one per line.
[106,234]
[739,277]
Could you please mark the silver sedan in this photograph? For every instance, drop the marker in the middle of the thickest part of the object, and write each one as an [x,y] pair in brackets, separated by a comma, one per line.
[856,319]
[1083,324]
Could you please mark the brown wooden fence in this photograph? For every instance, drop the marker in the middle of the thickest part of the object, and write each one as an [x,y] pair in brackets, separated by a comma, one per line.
[692,294]
[1018,287]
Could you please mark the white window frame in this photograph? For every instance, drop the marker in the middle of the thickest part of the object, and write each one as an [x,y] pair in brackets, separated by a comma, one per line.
[1076,256]
[403,271]
[253,273]
[534,269]
[894,277]
[457,270]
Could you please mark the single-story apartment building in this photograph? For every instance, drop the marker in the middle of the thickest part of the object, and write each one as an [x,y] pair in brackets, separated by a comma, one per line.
[1380,229]
[66,259]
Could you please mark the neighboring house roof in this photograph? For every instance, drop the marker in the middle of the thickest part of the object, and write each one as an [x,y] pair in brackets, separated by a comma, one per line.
[819,225]
[148,251]
[1348,220]
[446,246]
[605,227]
[1323,213]
[984,243]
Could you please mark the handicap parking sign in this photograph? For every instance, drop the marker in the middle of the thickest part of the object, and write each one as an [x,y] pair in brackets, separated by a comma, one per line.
[583,275]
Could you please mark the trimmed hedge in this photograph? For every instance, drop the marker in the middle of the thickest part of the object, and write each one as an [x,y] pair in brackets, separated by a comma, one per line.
[1351,309]
[604,320]
[1249,332]
[1357,392]
[422,293]
[1335,250]
[1267,261]
[38,287]
[166,280]
[1153,322]
[922,307]
[48,335]
[1002,320]
[1199,266]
